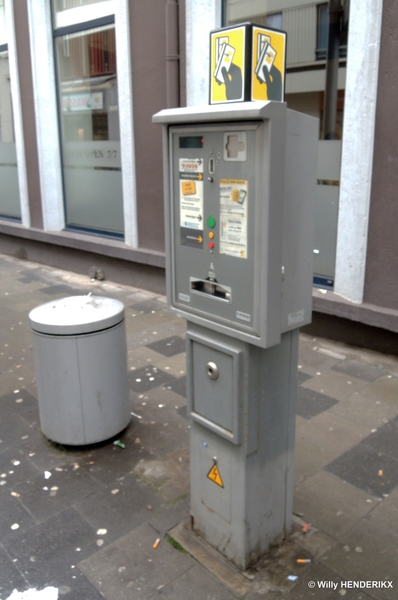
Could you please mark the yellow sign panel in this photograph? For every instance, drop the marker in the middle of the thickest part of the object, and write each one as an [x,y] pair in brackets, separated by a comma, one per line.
[188,188]
[214,475]
[227,68]
[268,64]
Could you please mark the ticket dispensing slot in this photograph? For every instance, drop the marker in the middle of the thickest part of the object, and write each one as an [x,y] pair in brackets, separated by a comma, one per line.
[210,288]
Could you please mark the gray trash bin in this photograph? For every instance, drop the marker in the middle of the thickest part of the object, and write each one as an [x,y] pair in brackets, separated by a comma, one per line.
[80,356]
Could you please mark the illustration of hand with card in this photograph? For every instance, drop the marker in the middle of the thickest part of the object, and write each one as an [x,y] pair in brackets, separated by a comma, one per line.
[226,72]
[265,69]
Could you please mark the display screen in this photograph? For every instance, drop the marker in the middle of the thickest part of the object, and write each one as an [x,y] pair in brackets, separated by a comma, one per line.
[191,141]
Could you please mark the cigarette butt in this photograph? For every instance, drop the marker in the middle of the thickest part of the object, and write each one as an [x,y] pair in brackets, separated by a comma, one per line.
[303,561]
[156,544]
[305,527]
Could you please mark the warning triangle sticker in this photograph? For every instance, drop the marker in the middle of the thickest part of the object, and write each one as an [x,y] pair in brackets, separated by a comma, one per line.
[214,475]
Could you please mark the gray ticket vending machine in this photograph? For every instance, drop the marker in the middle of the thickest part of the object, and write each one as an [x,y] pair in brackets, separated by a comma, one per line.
[239,198]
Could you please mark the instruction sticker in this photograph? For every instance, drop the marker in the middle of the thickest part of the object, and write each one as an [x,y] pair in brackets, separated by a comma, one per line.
[268,64]
[233,217]
[191,201]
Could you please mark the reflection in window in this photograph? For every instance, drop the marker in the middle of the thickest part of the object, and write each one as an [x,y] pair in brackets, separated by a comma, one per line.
[322,34]
[274,20]
[9,189]
[88,100]
[60,5]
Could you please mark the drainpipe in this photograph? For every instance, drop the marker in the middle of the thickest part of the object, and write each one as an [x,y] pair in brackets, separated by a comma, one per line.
[172,55]
[332,70]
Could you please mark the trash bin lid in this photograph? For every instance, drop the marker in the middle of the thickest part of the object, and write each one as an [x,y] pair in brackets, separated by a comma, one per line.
[76,314]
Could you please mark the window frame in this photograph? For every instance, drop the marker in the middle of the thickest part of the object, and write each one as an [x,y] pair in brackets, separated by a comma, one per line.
[45,85]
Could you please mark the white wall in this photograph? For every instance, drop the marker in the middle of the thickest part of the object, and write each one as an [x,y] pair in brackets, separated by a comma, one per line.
[358,142]
[201,17]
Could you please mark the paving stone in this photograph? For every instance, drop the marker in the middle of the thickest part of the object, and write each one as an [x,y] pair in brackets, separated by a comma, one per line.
[15,468]
[61,288]
[308,459]
[310,403]
[144,379]
[302,377]
[132,568]
[331,434]
[154,333]
[320,575]
[13,516]
[142,357]
[44,454]
[146,306]
[21,403]
[13,429]
[367,553]
[73,585]
[10,579]
[120,507]
[159,317]
[385,439]
[51,547]
[335,385]
[359,370]
[179,386]
[367,469]
[108,463]
[169,346]
[313,362]
[188,584]
[175,365]
[165,519]
[330,504]
[385,513]
[46,497]
[373,405]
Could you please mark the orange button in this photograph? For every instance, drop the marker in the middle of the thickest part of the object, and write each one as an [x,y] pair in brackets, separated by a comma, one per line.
[211,235]
[211,245]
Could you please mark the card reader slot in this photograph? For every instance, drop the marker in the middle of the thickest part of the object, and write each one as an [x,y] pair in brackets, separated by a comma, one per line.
[211,289]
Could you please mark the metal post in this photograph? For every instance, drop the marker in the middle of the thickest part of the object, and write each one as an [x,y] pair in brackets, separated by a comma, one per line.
[172,55]
[332,70]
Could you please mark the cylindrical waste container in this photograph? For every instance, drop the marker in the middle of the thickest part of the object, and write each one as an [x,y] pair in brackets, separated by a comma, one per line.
[80,356]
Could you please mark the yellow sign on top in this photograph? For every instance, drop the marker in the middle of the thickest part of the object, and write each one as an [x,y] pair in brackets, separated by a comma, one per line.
[268,64]
[227,66]
[247,62]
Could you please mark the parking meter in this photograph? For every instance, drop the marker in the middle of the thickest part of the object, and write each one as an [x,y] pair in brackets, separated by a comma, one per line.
[239,201]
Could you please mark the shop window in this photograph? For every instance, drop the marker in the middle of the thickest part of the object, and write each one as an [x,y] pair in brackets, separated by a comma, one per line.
[322,34]
[274,20]
[89,117]
[10,207]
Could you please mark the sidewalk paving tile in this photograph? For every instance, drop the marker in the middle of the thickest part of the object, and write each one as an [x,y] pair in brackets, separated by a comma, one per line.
[359,370]
[334,384]
[367,553]
[45,551]
[132,568]
[330,504]
[346,449]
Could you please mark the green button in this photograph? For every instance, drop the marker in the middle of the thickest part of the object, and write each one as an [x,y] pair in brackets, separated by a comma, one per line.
[211,222]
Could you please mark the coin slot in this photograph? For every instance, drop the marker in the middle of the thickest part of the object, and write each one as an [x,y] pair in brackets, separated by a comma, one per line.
[211,166]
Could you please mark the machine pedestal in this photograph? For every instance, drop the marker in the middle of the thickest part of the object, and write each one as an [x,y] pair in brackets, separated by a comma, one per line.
[241,399]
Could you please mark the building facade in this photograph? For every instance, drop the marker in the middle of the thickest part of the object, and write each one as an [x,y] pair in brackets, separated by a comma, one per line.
[80,160]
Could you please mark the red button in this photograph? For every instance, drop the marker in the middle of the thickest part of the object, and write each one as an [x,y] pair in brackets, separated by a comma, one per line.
[211,245]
